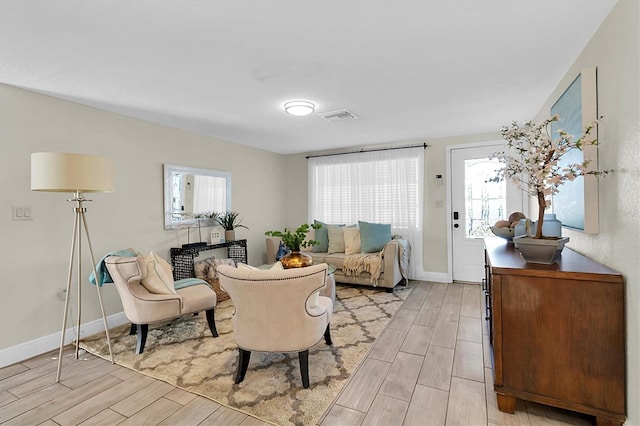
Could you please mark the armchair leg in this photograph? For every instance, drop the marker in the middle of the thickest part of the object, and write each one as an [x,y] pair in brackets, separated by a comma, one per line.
[327,336]
[303,357]
[141,331]
[211,319]
[243,363]
[132,330]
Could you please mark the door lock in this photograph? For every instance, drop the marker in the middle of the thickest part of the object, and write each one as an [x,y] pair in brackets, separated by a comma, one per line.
[455,225]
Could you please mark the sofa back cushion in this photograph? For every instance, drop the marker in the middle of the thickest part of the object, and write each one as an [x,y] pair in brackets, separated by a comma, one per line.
[374,236]
[352,243]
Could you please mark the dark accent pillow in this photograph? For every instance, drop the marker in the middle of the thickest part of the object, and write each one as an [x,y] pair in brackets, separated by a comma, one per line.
[374,236]
[282,250]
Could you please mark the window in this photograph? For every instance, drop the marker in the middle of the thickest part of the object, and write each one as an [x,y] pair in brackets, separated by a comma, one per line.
[379,187]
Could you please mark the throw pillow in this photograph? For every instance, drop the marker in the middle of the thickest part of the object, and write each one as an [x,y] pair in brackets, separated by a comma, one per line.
[282,250]
[374,236]
[246,267]
[351,240]
[218,262]
[205,269]
[159,279]
[336,239]
[322,237]
[275,267]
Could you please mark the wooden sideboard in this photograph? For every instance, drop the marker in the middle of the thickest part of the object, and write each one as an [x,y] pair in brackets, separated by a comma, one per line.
[557,332]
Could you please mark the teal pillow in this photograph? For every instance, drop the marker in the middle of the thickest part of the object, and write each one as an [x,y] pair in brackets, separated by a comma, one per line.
[321,235]
[374,236]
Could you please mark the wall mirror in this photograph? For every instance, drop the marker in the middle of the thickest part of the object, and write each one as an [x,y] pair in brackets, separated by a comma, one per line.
[190,192]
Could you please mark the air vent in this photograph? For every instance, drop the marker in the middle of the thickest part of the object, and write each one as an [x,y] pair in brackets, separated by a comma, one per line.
[340,115]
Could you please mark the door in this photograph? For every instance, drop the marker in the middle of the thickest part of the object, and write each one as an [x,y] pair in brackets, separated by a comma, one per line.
[476,204]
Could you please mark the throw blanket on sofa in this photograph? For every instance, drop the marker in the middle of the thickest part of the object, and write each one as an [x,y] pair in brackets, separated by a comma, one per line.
[354,264]
[404,254]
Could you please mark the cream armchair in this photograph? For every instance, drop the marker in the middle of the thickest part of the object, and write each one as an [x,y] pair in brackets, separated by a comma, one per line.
[277,311]
[143,308]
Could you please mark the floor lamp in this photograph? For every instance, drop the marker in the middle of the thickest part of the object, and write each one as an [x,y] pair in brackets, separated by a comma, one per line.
[78,174]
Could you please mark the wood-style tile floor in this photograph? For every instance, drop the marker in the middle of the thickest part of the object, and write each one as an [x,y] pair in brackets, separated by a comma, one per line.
[431,366]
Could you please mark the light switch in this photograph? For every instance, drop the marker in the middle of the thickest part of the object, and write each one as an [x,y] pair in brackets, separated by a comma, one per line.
[21,213]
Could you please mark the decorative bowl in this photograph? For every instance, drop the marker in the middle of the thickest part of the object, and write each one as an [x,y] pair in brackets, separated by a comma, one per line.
[506,233]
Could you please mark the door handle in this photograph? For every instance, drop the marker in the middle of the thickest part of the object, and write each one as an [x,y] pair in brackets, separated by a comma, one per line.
[455,215]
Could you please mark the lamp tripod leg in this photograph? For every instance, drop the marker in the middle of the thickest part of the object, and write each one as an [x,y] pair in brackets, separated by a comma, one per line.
[66,298]
[98,285]
[79,281]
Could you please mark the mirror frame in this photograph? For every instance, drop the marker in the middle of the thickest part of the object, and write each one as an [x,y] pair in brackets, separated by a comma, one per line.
[169,170]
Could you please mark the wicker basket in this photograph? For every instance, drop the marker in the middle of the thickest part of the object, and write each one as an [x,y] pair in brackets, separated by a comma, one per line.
[220,293]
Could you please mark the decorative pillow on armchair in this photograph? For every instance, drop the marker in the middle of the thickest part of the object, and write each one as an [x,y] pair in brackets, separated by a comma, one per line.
[282,250]
[159,279]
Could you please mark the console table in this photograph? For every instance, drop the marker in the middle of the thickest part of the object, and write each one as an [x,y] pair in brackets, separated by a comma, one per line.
[182,257]
[557,332]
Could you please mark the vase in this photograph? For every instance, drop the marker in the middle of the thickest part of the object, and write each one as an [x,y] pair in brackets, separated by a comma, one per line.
[296,259]
[540,250]
[524,227]
[230,235]
[551,227]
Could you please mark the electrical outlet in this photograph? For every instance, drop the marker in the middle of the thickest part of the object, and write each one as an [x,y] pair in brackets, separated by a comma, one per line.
[21,213]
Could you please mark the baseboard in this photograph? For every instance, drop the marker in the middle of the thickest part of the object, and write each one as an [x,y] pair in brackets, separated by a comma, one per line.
[438,277]
[38,346]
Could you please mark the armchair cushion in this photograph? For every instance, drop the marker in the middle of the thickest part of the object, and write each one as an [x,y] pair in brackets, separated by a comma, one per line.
[159,279]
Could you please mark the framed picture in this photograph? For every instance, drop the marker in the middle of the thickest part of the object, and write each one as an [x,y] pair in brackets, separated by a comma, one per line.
[576,205]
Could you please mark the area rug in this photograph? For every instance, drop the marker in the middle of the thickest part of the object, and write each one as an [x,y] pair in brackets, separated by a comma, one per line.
[183,352]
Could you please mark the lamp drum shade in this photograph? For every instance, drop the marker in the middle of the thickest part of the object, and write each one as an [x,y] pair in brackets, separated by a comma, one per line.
[63,172]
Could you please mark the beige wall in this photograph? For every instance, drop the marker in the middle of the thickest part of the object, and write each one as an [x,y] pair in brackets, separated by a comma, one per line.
[614,50]
[34,254]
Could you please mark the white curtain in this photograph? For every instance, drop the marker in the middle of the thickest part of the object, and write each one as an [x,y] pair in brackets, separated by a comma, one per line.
[379,187]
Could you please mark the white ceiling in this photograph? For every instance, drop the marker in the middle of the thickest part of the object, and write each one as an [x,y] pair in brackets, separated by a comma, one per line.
[410,70]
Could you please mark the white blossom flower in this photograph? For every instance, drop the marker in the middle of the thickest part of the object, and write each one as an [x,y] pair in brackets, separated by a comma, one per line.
[532,158]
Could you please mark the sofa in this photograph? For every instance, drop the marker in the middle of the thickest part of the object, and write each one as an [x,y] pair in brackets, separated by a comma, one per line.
[393,271]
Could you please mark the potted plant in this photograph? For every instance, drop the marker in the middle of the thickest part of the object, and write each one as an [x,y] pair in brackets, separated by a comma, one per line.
[229,221]
[294,241]
[532,161]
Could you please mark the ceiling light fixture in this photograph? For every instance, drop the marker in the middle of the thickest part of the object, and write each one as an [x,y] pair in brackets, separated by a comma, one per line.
[299,108]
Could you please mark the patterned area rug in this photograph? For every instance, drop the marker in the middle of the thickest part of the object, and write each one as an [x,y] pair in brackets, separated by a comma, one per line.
[183,352]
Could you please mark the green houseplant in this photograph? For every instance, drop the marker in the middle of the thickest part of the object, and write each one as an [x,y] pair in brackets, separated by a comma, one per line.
[294,240]
[229,221]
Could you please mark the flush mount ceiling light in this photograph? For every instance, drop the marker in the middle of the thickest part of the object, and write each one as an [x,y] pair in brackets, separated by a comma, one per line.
[299,108]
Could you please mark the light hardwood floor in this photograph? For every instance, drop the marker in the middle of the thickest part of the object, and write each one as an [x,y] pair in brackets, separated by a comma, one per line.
[431,366]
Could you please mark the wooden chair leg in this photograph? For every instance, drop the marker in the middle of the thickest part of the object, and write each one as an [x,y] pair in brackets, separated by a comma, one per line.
[327,336]
[211,319]
[303,357]
[141,331]
[243,363]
